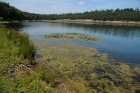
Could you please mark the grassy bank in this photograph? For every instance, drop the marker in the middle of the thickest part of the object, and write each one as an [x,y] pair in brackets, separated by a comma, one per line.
[16,63]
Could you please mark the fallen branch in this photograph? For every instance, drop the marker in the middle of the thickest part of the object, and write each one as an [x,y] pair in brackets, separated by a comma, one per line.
[26,67]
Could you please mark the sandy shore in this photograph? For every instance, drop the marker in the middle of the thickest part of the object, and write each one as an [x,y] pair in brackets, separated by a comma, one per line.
[86,21]
[8,22]
[81,21]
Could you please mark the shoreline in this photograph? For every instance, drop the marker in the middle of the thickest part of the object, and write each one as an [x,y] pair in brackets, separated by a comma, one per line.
[67,60]
[85,21]
[2,22]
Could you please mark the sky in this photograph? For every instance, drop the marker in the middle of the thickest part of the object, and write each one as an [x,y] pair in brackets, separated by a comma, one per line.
[68,6]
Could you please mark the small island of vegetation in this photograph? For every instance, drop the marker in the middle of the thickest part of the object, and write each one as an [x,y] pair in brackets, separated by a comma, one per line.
[71,36]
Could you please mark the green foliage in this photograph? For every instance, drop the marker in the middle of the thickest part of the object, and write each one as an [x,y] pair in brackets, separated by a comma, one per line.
[127,14]
[15,47]
[50,78]
[70,36]
[9,12]
[47,76]
[24,47]
[26,83]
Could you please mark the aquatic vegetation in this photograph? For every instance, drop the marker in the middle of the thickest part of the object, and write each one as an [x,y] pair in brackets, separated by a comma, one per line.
[86,70]
[70,36]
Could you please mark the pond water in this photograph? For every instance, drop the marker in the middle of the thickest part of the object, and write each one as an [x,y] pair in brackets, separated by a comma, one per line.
[120,43]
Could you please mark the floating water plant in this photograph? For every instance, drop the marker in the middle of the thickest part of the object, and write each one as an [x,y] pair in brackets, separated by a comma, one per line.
[88,71]
[70,36]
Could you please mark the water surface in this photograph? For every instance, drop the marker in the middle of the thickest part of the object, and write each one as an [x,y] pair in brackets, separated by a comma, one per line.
[120,43]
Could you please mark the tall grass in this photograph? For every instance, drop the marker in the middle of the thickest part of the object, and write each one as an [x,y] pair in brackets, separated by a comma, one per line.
[47,76]
[21,40]
[15,47]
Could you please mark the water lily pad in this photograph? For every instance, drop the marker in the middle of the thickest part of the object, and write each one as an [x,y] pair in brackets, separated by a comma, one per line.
[70,36]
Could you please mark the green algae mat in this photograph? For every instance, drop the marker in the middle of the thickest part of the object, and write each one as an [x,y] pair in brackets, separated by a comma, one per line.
[86,70]
[70,36]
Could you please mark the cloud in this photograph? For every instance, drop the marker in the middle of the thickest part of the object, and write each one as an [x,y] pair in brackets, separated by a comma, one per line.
[81,3]
[65,6]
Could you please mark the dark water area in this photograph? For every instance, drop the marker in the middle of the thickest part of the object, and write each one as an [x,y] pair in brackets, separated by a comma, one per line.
[119,42]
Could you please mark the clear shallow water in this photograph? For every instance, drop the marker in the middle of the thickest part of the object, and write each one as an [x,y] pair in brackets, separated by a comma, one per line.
[121,43]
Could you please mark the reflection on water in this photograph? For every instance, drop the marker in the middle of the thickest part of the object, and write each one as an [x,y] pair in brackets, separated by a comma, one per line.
[121,43]
[116,31]
[17,25]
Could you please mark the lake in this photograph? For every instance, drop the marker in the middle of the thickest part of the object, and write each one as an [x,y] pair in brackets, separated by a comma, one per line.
[121,43]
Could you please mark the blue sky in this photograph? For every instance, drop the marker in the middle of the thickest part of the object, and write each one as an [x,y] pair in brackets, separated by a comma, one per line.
[66,6]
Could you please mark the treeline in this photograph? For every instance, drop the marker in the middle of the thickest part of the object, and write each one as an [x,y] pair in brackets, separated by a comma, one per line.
[127,14]
[8,12]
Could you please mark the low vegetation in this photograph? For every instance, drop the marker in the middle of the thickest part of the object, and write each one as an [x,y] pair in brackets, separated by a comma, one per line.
[70,36]
[16,65]
[85,70]
[23,46]
[82,69]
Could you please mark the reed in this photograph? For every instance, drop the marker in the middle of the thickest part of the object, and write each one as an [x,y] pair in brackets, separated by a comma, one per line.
[47,76]
[26,50]
[15,49]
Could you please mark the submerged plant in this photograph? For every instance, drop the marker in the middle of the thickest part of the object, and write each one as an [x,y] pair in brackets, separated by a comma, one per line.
[70,36]
[87,70]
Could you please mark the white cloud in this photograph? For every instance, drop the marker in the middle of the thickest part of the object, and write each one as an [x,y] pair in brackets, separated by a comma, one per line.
[81,3]
[65,6]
